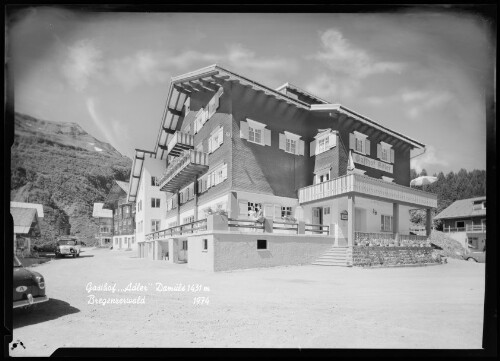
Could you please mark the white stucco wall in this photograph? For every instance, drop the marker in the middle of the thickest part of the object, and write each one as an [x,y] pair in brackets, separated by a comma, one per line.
[152,167]
[198,258]
[239,250]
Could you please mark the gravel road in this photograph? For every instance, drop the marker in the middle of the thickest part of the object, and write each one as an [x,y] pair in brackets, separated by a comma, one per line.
[434,307]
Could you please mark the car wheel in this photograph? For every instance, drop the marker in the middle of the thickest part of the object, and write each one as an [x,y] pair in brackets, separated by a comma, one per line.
[74,256]
[78,255]
[471,259]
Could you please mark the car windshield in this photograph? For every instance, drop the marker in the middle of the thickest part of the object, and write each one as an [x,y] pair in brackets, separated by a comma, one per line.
[67,243]
[17,263]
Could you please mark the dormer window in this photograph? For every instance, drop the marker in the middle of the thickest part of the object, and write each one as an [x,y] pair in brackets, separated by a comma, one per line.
[385,152]
[359,143]
[291,143]
[324,140]
[255,132]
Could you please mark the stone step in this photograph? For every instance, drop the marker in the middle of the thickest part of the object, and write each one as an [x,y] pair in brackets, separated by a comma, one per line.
[319,263]
[333,256]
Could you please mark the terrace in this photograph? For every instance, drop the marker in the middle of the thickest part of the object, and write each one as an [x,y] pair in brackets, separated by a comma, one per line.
[183,170]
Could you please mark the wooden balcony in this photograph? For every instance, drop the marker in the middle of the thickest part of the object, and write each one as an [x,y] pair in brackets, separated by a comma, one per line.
[183,170]
[179,143]
[475,228]
[369,187]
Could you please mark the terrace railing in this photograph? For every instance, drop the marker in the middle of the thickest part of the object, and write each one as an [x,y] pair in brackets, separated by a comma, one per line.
[183,229]
[317,229]
[285,227]
[246,225]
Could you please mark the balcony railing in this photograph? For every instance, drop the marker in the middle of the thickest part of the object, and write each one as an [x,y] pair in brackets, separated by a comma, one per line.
[183,229]
[475,228]
[364,185]
[183,170]
[468,228]
[180,142]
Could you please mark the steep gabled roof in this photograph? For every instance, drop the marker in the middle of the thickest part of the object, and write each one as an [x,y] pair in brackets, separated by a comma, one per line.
[99,212]
[462,208]
[38,207]
[23,219]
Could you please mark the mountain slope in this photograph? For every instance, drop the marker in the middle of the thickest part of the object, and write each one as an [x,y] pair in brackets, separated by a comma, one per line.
[66,169]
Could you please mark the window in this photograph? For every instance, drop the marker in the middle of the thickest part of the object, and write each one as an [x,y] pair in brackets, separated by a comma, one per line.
[326,210]
[133,240]
[155,225]
[218,175]
[155,202]
[460,224]
[359,143]
[205,244]
[154,181]
[204,114]
[262,244]
[216,139]
[184,245]
[323,177]
[386,223]
[254,208]
[286,211]
[189,219]
[255,132]
[385,152]
[324,140]
[323,145]
[291,143]
[255,135]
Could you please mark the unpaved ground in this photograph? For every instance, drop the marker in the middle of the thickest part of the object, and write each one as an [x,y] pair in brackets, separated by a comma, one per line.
[287,307]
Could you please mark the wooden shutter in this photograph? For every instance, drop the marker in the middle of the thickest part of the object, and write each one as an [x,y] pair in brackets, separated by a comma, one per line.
[282,142]
[243,130]
[268,210]
[352,141]
[224,171]
[267,136]
[312,148]
[379,151]
[301,147]
[332,140]
[243,206]
[209,181]
[277,211]
[209,145]
[367,147]
[221,135]
[392,155]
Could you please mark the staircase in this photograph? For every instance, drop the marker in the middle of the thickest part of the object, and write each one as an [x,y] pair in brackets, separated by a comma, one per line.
[336,256]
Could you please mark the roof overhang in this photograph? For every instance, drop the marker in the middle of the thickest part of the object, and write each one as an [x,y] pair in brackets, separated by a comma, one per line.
[209,78]
[350,113]
[301,91]
[135,174]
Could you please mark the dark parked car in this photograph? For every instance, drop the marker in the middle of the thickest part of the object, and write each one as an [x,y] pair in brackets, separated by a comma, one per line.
[46,248]
[476,256]
[29,286]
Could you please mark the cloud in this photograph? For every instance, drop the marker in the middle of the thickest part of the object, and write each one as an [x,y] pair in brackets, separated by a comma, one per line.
[110,128]
[156,67]
[347,66]
[416,102]
[429,158]
[83,60]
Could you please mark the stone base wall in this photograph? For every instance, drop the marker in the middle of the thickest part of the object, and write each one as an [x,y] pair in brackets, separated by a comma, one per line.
[392,256]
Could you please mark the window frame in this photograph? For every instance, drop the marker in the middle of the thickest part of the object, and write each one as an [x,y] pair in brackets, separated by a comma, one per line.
[155,223]
[383,224]
[252,131]
[259,243]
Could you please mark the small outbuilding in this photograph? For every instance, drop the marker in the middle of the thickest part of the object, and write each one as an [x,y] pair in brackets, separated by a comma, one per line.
[26,225]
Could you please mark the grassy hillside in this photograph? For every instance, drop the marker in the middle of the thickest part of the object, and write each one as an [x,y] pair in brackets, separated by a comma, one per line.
[66,169]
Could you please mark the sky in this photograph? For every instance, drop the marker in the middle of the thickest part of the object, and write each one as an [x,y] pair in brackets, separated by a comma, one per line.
[421,73]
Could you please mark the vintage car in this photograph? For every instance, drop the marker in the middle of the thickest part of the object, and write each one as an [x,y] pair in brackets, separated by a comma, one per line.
[475,256]
[29,286]
[68,246]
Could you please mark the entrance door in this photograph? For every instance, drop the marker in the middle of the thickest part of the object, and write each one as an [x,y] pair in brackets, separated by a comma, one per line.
[183,256]
[360,220]
[317,216]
